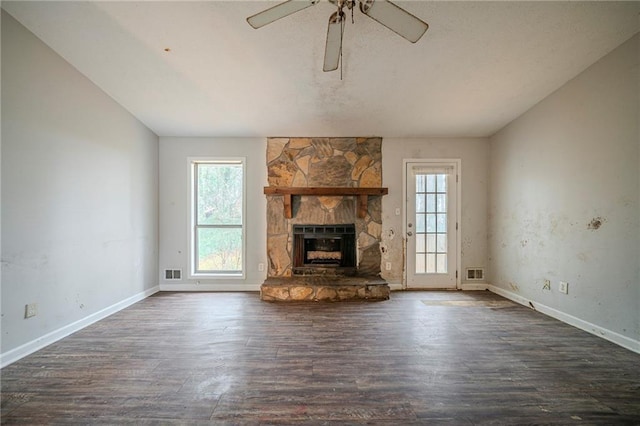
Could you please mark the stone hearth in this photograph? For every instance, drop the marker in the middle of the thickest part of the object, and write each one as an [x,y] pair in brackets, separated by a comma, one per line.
[319,288]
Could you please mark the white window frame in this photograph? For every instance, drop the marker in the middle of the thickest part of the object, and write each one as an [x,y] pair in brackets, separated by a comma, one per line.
[192,161]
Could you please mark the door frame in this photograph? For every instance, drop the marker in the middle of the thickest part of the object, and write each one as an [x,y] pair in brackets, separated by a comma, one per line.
[457,164]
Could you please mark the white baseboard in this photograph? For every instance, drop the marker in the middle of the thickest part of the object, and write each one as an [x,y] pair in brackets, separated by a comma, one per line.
[35,345]
[474,286]
[209,287]
[465,287]
[396,286]
[612,336]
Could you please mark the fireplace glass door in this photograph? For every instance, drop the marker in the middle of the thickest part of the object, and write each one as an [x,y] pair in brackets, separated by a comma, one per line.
[321,249]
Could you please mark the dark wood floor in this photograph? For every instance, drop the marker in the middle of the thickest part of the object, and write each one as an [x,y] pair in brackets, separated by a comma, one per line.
[419,358]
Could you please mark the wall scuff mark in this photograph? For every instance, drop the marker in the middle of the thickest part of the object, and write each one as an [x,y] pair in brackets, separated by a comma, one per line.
[595,223]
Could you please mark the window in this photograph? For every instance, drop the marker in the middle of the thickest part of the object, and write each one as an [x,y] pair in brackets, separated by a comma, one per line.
[431,223]
[217,231]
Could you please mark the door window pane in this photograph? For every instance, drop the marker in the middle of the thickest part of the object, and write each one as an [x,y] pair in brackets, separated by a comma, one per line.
[441,263]
[431,183]
[441,203]
[420,204]
[441,246]
[431,223]
[431,263]
[420,266]
[420,246]
[431,203]
[431,243]
[420,222]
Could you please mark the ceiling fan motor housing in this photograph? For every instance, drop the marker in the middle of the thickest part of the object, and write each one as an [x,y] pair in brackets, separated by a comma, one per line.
[342,3]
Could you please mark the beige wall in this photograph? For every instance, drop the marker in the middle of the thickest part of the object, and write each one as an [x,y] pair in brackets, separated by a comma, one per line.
[473,153]
[570,162]
[79,197]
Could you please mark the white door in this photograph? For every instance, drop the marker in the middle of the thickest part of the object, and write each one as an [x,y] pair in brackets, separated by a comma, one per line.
[432,224]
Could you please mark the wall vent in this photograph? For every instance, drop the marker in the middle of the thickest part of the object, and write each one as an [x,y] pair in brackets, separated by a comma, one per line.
[475,274]
[173,274]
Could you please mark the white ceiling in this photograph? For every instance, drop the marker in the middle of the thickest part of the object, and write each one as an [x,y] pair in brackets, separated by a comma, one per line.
[479,66]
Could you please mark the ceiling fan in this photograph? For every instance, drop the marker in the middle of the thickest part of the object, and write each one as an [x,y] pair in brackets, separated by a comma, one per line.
[388,14]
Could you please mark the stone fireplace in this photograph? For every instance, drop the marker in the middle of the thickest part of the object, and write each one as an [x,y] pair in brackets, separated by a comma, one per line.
[324,216]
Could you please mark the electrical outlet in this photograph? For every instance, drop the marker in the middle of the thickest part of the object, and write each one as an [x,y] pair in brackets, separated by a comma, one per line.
[387,266]
[30,310]
[563,287]
[260,267]
[547,285]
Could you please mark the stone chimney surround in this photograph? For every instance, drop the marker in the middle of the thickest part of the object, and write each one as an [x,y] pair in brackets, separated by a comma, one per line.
[324,181]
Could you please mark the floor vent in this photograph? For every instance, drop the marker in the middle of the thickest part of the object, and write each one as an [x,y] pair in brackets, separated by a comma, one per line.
[475,274]
[173,274]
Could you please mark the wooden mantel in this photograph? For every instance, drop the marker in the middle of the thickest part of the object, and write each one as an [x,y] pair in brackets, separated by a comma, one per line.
[361,193]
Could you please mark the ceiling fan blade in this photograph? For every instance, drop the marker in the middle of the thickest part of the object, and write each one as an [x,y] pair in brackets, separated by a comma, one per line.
[278,11]
[395,18]
[333,47]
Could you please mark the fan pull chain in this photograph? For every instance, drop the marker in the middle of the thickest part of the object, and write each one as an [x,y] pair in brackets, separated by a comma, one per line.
[342,24]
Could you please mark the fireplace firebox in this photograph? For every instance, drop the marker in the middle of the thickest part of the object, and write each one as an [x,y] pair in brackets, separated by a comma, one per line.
[322,249]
